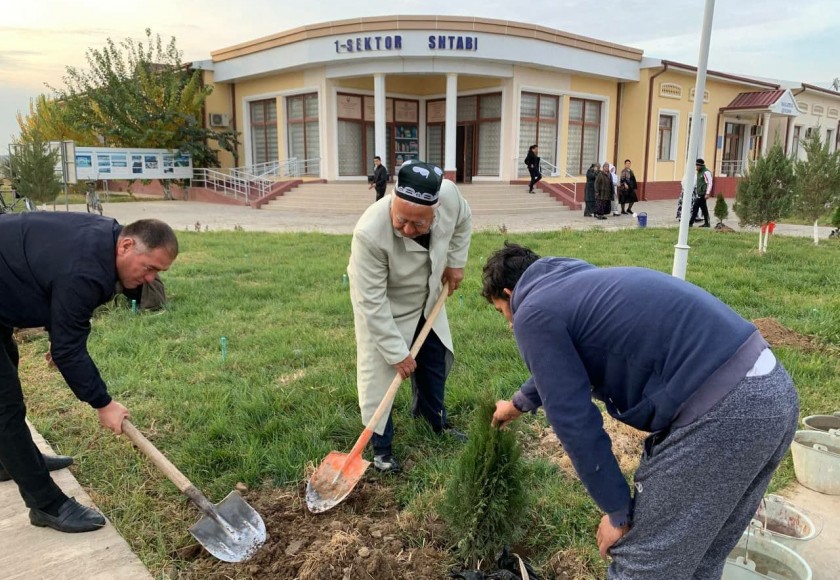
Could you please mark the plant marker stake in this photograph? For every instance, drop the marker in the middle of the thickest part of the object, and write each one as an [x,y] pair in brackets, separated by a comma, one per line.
[344,280]
[134,306]
[224,349]
[460,299]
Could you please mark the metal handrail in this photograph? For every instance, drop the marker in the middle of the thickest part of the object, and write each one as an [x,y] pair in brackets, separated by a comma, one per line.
[253,182]
[732,167]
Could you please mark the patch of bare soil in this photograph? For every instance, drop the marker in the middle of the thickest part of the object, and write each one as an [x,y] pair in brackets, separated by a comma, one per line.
[778,335]
[626,445]
[364,538]
[22,335]
[570,564]
[721,227]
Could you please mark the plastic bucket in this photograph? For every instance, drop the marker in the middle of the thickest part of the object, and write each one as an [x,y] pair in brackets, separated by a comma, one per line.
[785,523]
[757,556]
[816,460]
[823,423]
[642,218]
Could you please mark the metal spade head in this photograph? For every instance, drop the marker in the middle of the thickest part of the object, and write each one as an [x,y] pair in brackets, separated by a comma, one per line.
[334,479]
[232,532]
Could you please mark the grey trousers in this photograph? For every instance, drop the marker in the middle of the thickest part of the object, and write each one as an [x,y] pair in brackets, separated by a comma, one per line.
[698,486]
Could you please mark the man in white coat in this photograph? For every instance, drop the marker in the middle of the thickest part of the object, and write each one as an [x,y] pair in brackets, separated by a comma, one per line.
[404,247]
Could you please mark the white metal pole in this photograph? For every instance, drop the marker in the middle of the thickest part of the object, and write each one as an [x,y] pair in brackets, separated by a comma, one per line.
[681,248]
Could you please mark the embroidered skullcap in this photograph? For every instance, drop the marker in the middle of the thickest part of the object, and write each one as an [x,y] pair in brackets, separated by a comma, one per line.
[419,182]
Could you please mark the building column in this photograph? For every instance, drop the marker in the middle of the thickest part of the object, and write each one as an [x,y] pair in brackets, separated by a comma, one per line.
[765,133]
[449,165]
[789,135]
[380,122]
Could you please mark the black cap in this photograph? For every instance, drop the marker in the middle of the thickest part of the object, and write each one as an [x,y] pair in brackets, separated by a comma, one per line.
[700,162]
[419,182]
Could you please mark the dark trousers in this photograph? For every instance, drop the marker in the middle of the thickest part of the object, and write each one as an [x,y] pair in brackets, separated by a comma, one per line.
[379,194]
[535,177]
[700,205]
[428,383]
[19,455]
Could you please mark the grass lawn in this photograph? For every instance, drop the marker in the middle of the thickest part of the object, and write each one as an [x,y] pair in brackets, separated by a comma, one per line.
[285,395]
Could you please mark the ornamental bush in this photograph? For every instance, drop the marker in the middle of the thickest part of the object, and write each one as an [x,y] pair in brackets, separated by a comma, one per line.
[485,500]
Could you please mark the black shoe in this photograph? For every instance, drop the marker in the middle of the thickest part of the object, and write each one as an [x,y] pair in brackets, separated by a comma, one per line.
[455,434]
[386,464]
[706,225]
[530,191]
[54,463]
[72,518]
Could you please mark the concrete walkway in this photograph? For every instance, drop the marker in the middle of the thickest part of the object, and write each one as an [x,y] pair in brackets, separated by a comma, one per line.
[182,215]
[31,553]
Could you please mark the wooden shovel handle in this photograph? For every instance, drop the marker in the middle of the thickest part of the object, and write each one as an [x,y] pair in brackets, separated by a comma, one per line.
[159,459]
[392,390]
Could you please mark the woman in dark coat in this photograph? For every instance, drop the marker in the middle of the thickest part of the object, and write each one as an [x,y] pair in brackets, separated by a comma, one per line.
[627,188]
[532,161]
[589,191]
[603,192]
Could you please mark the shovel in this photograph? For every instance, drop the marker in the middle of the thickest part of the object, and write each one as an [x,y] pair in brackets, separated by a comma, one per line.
[339,472]
[231,530]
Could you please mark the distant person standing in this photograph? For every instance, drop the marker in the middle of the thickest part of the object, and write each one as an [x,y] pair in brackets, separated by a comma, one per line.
[589,209]
[627,188]
[703,190]
[603,192]
[380,178]
[532,162]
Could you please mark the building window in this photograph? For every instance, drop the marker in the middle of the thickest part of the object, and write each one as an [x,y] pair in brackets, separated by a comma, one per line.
[302,127]
[664,149]
[829,140]
[489,134]
[263,131]
[818,110]
[583,142]
[700,142]
[538,115]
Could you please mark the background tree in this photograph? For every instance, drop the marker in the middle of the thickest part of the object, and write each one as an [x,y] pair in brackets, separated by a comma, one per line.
[49,120]
[817,181]
[765,193]
[721,210]
[31,170]
[137,94]
[485,499]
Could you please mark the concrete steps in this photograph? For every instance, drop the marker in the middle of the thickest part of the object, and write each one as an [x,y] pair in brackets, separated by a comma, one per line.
[355,197]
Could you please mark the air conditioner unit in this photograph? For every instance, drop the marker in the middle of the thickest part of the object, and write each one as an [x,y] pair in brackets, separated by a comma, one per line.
[219,120]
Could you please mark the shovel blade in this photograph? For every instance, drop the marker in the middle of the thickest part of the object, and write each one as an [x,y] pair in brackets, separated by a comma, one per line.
[334,479]
[233,533]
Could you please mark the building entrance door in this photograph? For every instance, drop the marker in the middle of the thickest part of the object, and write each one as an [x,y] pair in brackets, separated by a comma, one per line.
[464,153]
[733,137]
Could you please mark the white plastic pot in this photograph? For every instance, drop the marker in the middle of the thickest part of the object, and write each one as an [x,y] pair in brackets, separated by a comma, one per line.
[816,460]
[756,556]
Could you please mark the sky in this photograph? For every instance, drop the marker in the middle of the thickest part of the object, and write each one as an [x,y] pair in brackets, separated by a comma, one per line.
[777,39]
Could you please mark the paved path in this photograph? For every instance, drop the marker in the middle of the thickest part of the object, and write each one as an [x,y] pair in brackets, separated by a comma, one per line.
[182,215]
[30,553]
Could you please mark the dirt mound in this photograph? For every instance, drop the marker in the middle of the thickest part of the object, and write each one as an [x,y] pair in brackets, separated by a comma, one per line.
[778,335]
[626,445]
[361,539]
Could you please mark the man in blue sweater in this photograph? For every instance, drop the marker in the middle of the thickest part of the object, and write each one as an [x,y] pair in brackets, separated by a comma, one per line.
[55,270]
[663,356]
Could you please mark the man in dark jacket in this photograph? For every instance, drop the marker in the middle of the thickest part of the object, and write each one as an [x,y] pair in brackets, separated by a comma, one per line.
[55,270]
[380,178]
[666,357]
[703,190]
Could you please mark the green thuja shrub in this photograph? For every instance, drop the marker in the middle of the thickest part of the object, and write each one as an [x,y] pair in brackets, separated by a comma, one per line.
[485,499]
[721,209]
